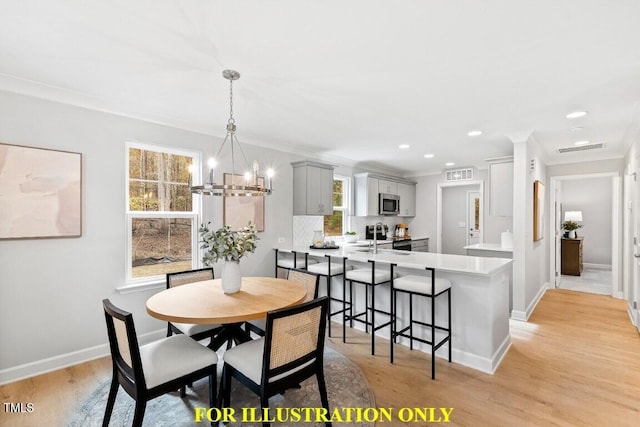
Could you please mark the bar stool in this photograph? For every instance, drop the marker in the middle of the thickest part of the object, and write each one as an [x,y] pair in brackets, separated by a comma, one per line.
[300,261]
[424,286]
[371,278]
[329,269]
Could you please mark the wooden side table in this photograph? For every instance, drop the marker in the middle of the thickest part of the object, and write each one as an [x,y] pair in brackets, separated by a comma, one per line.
[571,250]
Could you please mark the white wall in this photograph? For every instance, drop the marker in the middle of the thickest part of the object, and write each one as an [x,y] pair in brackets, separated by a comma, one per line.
[593,197]
[530,271]
[51,289]
[630,266]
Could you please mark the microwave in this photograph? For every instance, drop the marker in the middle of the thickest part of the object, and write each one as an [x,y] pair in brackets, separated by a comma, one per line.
[389,204]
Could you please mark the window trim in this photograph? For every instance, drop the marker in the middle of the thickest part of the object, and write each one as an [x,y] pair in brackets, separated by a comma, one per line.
[152,282]
[346,202]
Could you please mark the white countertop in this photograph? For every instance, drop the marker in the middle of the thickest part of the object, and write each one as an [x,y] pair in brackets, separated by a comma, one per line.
[442,262]
[489,247]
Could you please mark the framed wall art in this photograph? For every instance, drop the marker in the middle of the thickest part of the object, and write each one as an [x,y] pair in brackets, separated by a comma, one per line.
[538,211]
[41,194]
[239,211]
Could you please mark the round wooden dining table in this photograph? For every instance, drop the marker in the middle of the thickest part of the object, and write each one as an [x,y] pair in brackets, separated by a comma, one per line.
[205,303]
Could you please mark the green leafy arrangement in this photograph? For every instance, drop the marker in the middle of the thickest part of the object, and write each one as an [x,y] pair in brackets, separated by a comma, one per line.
[571,225]
[225,244]
[350,233]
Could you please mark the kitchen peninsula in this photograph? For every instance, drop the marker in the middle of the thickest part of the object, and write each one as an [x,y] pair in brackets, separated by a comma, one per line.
[480,296]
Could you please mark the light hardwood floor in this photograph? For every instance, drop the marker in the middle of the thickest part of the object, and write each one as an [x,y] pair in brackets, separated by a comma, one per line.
[575,363]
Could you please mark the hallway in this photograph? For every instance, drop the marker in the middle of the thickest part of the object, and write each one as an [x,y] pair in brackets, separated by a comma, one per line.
[592,280]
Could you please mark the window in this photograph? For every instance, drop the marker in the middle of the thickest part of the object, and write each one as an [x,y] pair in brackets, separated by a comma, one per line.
[162,215]
[335,225]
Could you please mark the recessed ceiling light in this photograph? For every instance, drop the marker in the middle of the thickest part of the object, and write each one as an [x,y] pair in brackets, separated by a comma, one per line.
[577,129]
[474,133]
[428,156]
[576,114]
[581,143]
[403,146]
[449,164]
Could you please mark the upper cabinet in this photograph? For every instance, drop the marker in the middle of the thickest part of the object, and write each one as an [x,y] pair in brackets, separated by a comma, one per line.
[388,187]
[501,187]
[368,186]
[312,188]
[407,193]
[365,195]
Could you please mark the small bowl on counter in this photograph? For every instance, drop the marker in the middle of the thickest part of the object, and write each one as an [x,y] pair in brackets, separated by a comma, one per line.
[350,238]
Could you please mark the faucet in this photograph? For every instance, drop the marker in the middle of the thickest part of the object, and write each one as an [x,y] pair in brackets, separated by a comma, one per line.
[375,236]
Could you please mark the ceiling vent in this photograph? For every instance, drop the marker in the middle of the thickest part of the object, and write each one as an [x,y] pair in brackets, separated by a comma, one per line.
[581,148]
[465,174]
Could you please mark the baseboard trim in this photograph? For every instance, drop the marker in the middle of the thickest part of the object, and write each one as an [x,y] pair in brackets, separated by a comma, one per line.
[500,354]
[471,360]
[632,315]
[596,266]
[62,361]
[524,315]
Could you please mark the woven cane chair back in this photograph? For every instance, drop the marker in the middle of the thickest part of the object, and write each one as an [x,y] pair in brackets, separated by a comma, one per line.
[309,281]
[189,276]
[294,336]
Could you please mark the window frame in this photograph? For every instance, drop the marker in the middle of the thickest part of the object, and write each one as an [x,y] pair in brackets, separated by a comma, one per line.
[195,214]
[346,203]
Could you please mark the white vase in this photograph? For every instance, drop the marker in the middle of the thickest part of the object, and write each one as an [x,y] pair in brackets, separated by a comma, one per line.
[231,279]
[572,234]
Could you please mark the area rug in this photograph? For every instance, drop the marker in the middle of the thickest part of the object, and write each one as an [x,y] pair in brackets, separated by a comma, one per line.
[346,388]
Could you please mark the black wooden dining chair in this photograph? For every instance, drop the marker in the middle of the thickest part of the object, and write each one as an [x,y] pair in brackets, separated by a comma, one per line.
[290,352]
[196,331]
[151,370]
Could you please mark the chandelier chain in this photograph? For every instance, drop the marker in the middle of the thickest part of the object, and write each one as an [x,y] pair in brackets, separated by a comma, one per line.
[231,119]
[252,185]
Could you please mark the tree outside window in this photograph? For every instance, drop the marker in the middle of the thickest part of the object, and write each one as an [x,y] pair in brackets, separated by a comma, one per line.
[162,215]
[334,225]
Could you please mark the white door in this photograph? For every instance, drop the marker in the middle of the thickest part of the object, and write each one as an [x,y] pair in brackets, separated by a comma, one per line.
[635,292]
[558,233]
[473,217]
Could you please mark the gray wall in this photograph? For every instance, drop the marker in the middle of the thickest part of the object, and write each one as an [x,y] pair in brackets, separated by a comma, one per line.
[454,212]
[592,196]
[51,289]
[424,223]
[530,265]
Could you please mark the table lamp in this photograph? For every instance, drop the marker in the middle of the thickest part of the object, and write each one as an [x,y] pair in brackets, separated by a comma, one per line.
[575,216]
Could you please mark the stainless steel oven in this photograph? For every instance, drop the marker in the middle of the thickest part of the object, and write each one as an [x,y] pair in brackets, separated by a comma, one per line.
[402,244]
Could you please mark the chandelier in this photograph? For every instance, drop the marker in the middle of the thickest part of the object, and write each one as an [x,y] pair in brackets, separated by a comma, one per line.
[251,185]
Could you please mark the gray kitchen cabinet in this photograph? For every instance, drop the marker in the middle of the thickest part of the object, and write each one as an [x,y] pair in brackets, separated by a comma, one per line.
[368,186]
[420,245]
[312,188]
[388,187]
[366,195]
[407,193]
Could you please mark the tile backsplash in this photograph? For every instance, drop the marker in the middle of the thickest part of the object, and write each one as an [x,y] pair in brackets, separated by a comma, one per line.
[304,226]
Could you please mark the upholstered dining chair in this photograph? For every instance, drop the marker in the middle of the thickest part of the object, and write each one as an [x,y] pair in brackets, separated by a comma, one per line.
[309,281]
[290,352]
[197,332]
[151,370]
